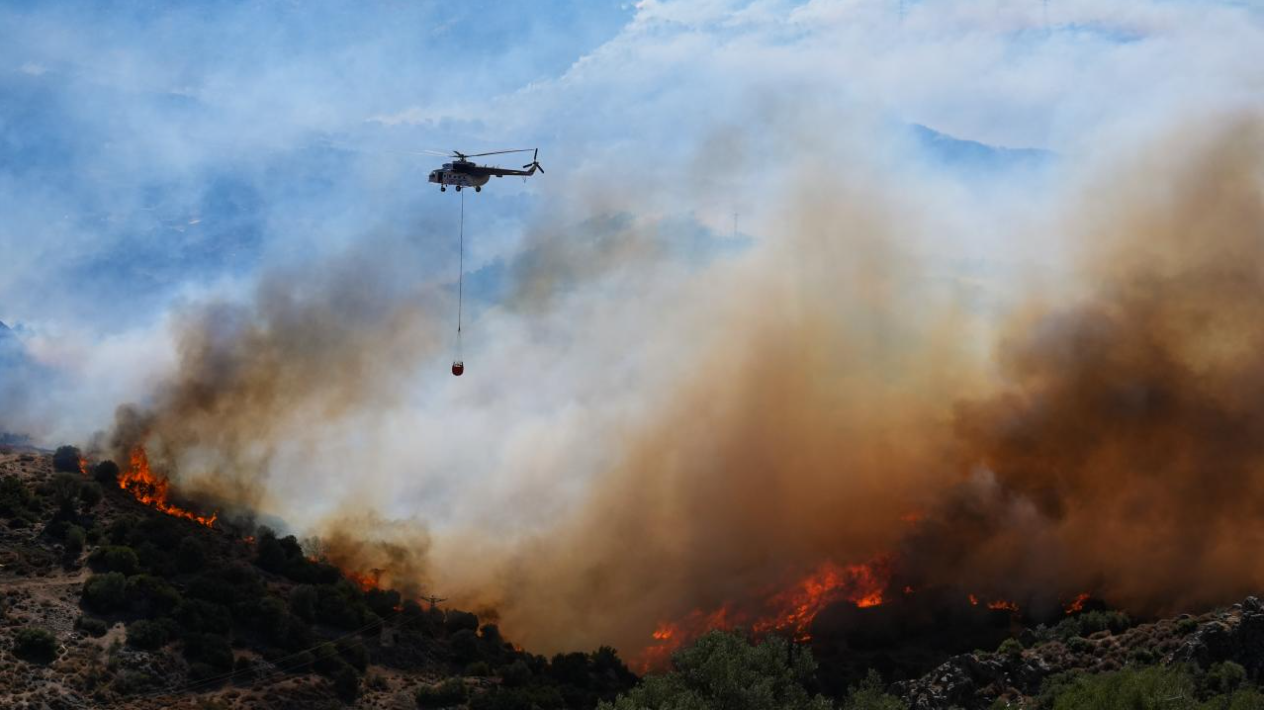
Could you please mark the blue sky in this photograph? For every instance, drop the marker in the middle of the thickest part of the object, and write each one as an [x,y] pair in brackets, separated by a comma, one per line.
[153,158]
[151,151]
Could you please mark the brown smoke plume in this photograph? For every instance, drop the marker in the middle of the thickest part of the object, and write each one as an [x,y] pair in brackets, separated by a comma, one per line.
[312,346]
[1117,449]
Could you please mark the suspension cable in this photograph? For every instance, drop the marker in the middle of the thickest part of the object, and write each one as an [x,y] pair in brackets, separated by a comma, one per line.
[461,262]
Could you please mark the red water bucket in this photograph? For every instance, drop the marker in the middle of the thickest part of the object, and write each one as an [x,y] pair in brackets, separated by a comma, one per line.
[457,367]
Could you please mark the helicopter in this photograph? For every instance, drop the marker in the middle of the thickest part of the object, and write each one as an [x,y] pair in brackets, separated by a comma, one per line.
[463,173]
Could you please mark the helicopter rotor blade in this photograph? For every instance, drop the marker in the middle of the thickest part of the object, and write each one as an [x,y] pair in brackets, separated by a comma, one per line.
[499,152]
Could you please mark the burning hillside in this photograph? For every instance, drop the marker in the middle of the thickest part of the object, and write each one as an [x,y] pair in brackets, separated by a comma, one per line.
[153,490]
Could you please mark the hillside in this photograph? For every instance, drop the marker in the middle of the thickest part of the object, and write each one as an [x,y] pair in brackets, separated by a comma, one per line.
[111,603]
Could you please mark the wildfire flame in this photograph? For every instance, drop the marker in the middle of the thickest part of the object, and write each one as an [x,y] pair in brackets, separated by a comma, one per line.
[365,580]
[790,612]
[1004,604]
[153,490]
[83,466]
[1076,605]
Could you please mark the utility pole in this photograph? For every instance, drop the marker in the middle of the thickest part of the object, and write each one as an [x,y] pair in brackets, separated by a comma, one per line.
[434,600]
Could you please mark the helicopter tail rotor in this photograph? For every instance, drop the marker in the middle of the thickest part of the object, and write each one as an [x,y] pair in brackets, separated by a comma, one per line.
[534,164]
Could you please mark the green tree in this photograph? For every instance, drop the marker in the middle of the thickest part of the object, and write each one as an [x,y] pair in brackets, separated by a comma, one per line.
[303,602]
[89,494]
[105,592]
[147,634]
[1149,688]
[870,695]
[65,487]
[190,554]
[724,670]
[36,645]
[66,458]
[106,473]
[75,539]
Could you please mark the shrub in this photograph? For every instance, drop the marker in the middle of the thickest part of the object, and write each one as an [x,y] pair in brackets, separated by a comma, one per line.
[15,497]
[128,682]
[152,595]
[211,649]
[75,539]
[202,615]
[93,627]
[870,695]
[269,553]
[1011,648]
[105,592]
[522,698]
[465,646]
[303,602]
[115,558]
[147,634]
[36,645]
[491,634]
[328,662]
[1091,622]
[89,493]
[346,684]
[336,605]
[517,673]
[66,458]
[353,651]
[65,490]
[724,670]
[442,695]
[106,473]
[1224,677]
[1077,644]
[455,621]
[478,668]
[190,555]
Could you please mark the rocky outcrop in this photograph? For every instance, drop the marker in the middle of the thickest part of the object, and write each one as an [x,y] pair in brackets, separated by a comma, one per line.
[974,681]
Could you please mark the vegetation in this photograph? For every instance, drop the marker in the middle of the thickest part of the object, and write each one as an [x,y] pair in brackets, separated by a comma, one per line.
[36,645]
[1222,687]
[106,473]
[870,695]
[238,612]
[66,458]
[724,670]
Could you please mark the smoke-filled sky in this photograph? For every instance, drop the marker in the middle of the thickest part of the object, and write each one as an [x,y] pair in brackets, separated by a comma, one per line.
[796,270]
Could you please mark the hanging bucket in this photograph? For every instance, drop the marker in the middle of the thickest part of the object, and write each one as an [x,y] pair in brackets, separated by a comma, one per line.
[457,368]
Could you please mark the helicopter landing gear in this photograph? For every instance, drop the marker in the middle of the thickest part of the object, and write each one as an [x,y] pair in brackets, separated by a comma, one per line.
[477,188]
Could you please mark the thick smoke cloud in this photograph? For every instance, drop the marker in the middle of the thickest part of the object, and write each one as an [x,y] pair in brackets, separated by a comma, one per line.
[1113,445]
[831,406]
[1124,452]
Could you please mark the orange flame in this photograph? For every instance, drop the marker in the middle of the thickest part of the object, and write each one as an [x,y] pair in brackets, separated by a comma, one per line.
[790,611]
[365,580]
[1076,605]
[83,466]
[1004,604]
[973,598]
[153,490]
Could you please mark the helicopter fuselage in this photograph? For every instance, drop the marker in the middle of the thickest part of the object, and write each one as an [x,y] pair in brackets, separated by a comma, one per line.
[463,173]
